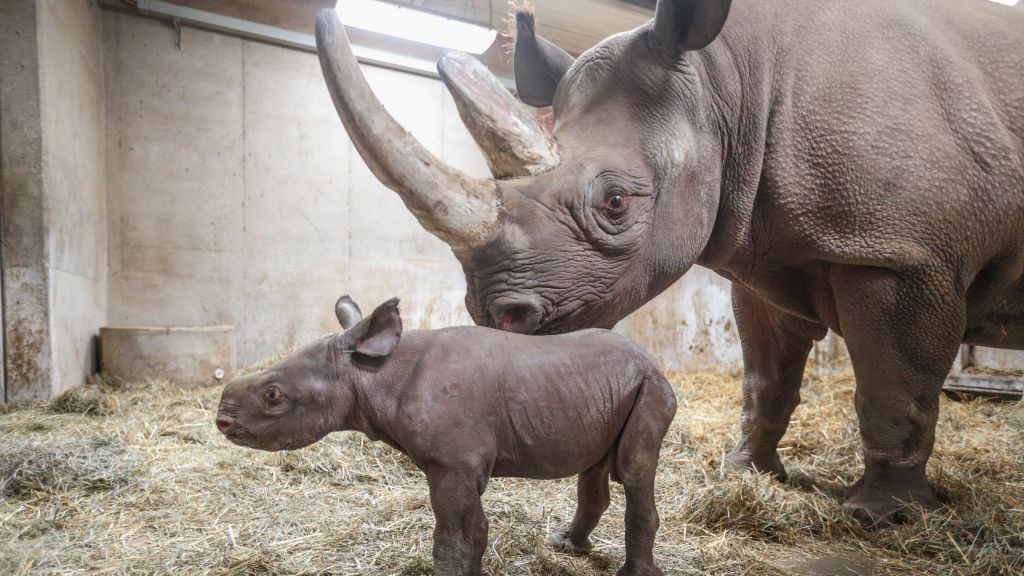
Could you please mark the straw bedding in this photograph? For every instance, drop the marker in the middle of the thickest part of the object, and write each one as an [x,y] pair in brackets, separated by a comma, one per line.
[135,480]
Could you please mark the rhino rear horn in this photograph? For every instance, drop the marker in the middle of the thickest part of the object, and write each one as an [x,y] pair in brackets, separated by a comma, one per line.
[512,140]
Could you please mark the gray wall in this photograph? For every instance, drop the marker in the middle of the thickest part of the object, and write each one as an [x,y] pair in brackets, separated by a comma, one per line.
[237,198]
[147,185]
[74,153]
[54,195]
[25,261]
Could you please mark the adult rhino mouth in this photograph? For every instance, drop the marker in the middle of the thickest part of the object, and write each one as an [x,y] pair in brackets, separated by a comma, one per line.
[524,316]
[519,314]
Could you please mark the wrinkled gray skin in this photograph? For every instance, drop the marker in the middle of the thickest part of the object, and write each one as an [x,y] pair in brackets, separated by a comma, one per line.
[467,404]
[848,165]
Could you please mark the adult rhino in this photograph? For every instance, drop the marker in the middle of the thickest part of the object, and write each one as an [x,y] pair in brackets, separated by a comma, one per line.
[853,165]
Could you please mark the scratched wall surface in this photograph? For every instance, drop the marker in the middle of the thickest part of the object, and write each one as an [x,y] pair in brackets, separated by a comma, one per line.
[26,315]
[71,81]
[54,194]
[235,197]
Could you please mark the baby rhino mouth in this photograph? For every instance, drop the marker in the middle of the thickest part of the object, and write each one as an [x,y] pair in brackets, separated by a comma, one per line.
[238,434]
[234,431]
[228,424]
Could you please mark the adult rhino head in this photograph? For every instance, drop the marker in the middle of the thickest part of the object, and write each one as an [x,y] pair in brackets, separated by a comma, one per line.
[581,227]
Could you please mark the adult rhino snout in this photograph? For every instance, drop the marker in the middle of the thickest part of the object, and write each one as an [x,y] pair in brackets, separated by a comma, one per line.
[516,314]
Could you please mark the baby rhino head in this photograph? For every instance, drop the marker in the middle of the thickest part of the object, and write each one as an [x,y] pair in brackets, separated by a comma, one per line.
[309,394]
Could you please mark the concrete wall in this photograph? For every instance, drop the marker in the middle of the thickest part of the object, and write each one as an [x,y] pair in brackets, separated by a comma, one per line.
[54,221]
[74,156]
[142,184]
[25,256]
[237,198]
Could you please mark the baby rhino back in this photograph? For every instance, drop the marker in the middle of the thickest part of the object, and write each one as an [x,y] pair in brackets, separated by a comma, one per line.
[533,406]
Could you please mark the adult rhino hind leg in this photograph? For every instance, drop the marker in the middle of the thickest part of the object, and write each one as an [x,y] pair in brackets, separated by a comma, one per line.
[903,332]
[775,349]
[592,500]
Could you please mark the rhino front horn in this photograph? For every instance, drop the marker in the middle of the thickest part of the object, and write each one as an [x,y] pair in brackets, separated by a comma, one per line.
[452,206]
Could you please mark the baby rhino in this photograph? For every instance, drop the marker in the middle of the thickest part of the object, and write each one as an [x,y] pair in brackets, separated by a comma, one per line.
[467,404]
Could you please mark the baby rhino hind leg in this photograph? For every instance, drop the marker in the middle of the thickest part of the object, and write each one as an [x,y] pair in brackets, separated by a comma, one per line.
[636,461]
[591,502]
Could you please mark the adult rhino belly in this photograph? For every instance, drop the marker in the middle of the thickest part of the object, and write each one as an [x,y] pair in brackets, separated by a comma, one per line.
[995,314]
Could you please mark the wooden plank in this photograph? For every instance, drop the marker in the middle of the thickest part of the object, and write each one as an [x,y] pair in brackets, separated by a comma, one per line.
[963,385]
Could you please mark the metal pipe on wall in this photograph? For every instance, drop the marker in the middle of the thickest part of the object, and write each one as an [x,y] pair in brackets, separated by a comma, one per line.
[399,55]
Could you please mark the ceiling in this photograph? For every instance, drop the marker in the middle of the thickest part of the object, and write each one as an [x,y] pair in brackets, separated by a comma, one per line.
[575,25]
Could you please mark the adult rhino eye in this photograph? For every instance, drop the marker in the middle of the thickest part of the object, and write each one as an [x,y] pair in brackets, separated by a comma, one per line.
[615,203]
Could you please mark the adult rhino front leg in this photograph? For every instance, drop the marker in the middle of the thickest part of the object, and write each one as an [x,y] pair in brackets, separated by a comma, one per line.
[775,349]
[903,332]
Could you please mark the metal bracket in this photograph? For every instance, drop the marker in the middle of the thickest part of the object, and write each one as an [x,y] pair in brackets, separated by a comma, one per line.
[177,32]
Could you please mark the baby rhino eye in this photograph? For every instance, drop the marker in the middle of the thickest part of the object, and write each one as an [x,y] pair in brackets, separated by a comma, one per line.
[272,395]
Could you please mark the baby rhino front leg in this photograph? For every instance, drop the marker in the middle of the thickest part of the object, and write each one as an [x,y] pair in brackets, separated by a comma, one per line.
[460,529]
[591,501]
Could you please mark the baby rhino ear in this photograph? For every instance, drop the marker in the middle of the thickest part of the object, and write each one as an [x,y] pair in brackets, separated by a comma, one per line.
[377,335]
[347,311]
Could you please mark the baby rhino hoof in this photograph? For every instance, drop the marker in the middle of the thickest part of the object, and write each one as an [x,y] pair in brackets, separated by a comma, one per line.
[638,569]
[562,542]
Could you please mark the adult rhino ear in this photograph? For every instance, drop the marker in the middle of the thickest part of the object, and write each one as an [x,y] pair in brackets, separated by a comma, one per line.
[539,64]
[377,335]
[683,25]
[347,311]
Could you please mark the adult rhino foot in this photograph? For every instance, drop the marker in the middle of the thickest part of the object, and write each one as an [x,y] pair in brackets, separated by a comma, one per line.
[639,569]
[762,462]
[882,503]
[561,541]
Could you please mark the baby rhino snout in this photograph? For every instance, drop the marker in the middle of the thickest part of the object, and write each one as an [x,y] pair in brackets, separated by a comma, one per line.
[224,423]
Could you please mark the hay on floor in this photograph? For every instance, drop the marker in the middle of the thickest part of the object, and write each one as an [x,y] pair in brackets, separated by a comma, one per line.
[135,479]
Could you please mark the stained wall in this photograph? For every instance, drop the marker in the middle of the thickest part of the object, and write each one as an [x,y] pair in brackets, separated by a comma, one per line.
[212,183]
[237,198]
[52,161]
